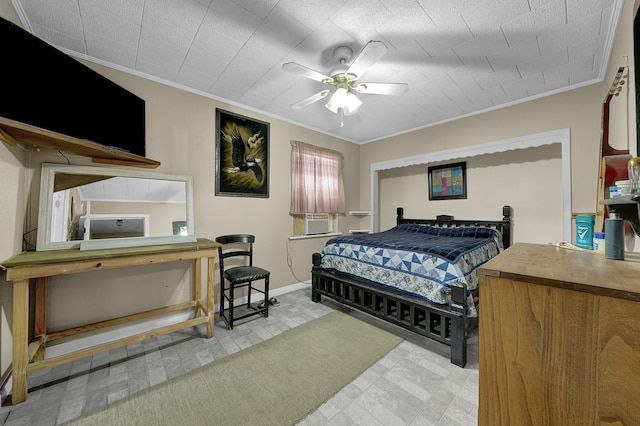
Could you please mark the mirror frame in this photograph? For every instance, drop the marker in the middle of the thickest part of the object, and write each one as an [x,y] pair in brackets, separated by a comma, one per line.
[46,203]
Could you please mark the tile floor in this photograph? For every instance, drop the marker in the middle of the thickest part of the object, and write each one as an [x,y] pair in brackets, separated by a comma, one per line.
[412,385]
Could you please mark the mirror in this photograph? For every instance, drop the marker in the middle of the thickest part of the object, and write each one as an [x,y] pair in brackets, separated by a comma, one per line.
[97,207]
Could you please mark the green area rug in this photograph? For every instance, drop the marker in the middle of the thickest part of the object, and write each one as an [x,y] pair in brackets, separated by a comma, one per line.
[276,382]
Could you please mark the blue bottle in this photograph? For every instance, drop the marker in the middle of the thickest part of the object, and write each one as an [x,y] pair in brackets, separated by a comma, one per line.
[614,237]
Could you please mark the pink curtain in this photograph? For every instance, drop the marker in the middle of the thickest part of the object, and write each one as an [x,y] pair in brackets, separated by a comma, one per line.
[316,180]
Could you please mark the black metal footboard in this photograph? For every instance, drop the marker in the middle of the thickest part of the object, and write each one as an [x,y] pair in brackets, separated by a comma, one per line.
[445,324]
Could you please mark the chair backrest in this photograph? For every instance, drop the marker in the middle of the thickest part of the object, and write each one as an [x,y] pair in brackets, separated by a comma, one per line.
[236,238]
[233,246]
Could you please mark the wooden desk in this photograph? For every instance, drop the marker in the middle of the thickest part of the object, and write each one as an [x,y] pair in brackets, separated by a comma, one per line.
[30,357]
[559,338]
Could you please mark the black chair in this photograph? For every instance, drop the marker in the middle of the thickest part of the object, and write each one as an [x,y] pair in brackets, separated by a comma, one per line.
[235,277]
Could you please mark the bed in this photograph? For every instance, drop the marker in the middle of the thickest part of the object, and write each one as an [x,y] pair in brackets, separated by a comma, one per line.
[421,274]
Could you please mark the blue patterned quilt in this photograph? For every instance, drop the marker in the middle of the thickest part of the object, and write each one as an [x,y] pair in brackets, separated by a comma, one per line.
[422,260]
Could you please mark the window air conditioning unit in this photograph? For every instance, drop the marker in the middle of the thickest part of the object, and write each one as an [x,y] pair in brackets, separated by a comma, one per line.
[317,223]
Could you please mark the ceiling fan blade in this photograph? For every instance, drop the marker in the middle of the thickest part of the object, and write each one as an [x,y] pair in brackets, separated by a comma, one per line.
[296,68]
[368,56]
[382,88]
[311,99]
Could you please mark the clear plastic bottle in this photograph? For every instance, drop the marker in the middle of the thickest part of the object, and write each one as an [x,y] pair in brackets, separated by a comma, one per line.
[624,187]
[598,242]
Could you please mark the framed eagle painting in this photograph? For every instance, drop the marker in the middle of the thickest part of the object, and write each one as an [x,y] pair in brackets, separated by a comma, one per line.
[242,163]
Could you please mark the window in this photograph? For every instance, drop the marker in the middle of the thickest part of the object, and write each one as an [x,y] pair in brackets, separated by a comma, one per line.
[316,183]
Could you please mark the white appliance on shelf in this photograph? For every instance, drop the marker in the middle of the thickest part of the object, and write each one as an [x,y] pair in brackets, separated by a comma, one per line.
[316,223]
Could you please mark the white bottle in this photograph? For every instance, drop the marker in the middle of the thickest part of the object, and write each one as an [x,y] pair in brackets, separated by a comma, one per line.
[598,242]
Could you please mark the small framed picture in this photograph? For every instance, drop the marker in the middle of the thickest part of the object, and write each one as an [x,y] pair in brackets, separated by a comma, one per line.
[242,163]
[447,182]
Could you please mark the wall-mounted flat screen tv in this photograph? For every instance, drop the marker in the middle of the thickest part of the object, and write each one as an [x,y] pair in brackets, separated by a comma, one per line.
[44,87]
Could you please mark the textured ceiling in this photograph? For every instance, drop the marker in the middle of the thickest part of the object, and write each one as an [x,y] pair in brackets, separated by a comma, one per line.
[459,57]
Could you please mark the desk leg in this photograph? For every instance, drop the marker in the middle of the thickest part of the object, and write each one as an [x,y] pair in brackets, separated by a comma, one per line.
[20,340]
[40,326]
[197,285]
[210,300]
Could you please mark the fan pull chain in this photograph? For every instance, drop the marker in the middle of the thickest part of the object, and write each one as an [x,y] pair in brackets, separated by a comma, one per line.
[341,117]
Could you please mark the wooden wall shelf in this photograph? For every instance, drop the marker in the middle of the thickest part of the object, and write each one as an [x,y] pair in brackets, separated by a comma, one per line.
[12,132]
[628,207]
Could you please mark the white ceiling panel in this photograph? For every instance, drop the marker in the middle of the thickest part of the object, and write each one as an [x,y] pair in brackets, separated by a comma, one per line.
[457,57]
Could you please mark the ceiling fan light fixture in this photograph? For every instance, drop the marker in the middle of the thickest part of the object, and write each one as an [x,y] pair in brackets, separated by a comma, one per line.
[338,99]
[332,106]
[345,100]
[342,99]
[352,104]
[340,96]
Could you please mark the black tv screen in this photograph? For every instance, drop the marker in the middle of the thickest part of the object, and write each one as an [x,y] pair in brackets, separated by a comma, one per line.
[44,87]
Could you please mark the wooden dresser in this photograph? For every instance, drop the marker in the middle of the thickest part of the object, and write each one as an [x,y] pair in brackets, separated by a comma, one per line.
[559,338]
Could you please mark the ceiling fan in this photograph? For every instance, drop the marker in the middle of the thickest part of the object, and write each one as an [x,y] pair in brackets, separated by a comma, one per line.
[343,79]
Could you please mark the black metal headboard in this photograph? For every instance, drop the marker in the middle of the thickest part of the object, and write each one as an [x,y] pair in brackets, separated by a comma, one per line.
[503,226]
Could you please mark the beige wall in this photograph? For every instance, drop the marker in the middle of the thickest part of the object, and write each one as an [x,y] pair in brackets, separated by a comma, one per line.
[528,181]
[181,135]
[494,181]
[13,177]
[14,181]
